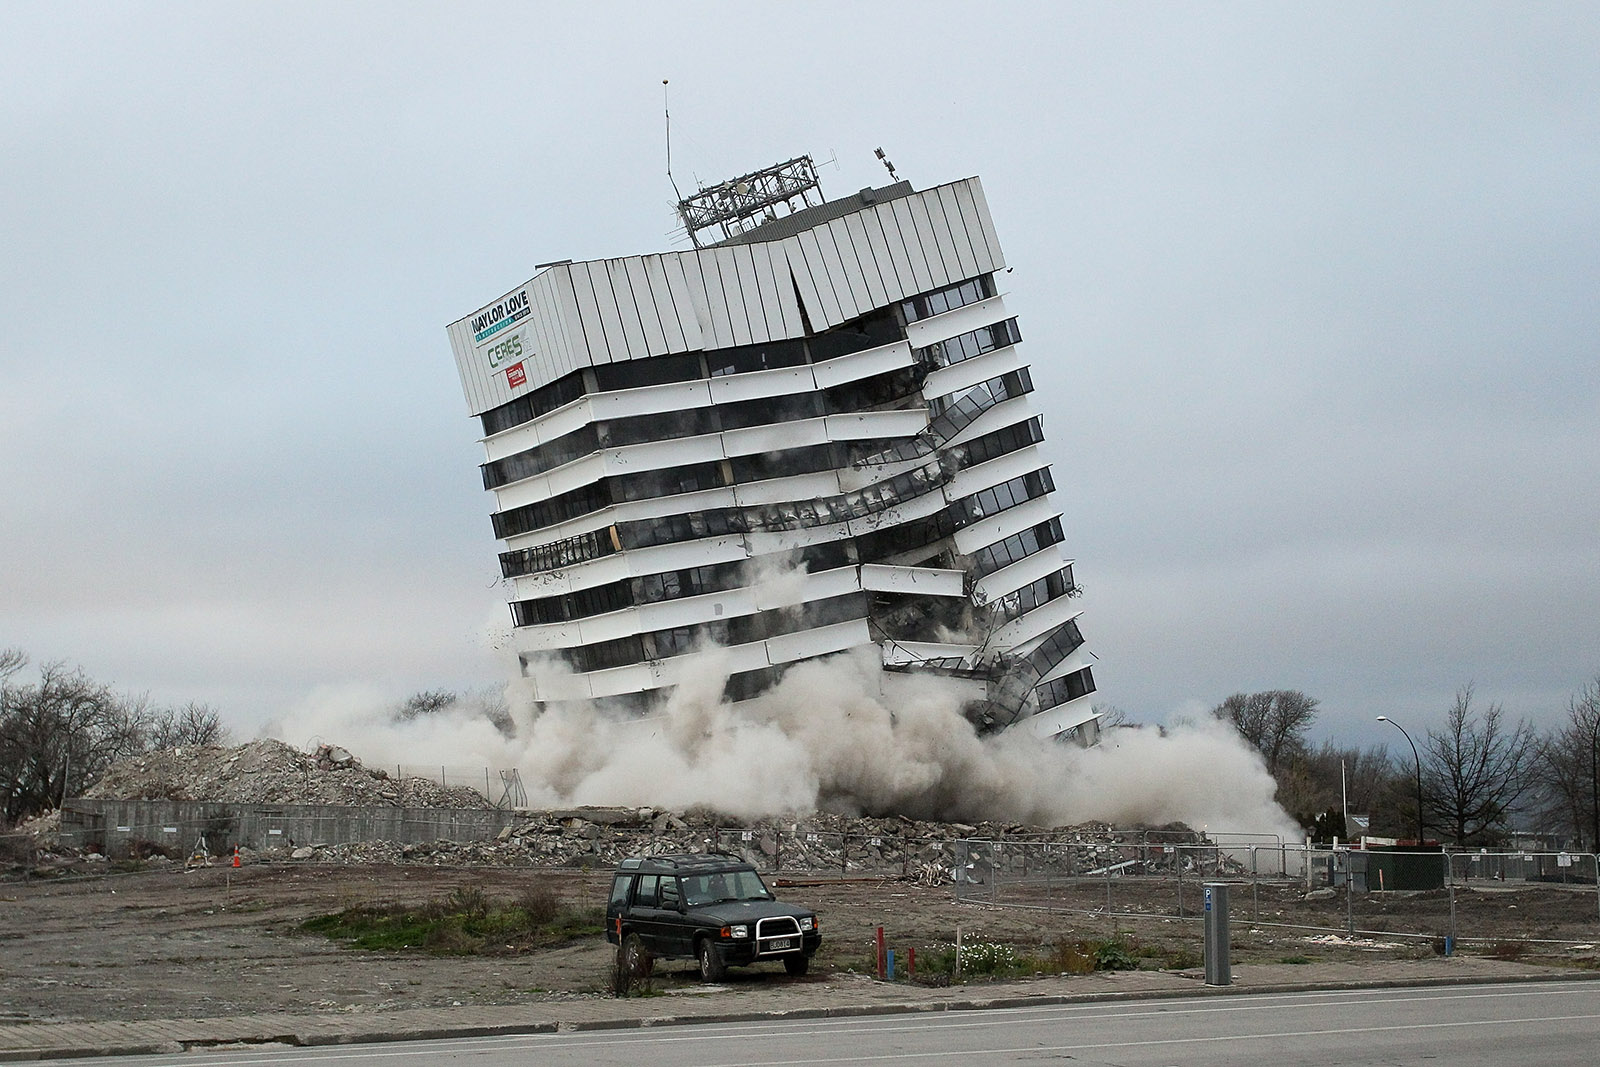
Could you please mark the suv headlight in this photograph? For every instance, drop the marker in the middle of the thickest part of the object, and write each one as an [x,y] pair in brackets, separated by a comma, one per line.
[740,930]
[808,923]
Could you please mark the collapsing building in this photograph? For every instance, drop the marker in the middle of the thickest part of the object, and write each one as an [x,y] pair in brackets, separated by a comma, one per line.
[810,435]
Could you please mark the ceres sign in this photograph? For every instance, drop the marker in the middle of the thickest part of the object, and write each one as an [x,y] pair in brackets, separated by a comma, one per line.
[506,351]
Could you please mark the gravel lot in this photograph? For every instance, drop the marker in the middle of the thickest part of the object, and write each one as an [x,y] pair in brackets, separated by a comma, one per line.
[217,941]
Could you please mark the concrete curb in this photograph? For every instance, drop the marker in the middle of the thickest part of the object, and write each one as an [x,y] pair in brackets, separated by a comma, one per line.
[171,1043]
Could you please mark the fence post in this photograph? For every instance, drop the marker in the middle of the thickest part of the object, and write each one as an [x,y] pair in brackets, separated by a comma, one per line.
[1177,865]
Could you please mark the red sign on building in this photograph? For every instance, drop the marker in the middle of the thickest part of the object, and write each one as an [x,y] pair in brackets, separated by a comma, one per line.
[516,376]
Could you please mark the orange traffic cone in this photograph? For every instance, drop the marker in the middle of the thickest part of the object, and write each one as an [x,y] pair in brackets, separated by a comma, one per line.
[236,855]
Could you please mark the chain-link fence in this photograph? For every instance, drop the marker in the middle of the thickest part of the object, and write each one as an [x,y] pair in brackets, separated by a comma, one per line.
[1395,893]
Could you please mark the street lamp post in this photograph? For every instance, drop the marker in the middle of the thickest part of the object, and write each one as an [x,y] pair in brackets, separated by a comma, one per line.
[1413,744]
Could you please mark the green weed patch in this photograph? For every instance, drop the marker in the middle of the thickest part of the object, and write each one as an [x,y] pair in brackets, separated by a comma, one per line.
[467,922]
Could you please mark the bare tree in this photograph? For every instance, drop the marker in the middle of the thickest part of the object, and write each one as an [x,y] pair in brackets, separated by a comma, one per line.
[1476,769]
[191,725]
[1570,766]
[1275,722]
[1320,780]
[427,702]
[1111,715]
[58,734]
[12,660]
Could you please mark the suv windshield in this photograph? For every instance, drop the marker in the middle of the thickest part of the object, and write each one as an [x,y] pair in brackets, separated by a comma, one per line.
[724,885]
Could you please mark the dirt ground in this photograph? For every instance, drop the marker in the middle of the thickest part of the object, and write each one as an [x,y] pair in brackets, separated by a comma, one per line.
[217,941]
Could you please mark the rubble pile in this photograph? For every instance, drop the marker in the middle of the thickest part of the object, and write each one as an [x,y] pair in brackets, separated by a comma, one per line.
[271,772]
[831,845]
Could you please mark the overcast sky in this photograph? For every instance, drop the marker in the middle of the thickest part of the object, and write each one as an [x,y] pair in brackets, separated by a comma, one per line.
[1312,297]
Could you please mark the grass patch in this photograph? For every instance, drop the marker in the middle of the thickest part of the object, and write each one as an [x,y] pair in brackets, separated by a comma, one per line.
[995,959]
[466,922]
[1507,950]
[1295,959]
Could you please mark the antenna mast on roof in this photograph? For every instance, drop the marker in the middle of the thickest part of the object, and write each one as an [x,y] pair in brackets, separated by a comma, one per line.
[667,111]
[747,201]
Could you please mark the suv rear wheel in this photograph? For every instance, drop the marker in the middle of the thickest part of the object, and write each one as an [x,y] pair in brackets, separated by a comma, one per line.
[636,959]
[712,967]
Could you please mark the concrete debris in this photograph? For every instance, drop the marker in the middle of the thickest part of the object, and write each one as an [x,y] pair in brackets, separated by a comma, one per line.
[271,772]
[830,846]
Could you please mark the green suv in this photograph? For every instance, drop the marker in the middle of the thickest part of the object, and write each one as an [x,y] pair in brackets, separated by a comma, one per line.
[714,909]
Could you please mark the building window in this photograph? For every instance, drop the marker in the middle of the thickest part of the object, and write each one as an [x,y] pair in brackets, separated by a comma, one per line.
[1019,602]
[1061,643]
[541,458]
[566,552]
[1070,687]
[749,358]
[998,498]
[530,406]
[964,346]
[1001,442]
[948,298]
[657,370]
[1018,546]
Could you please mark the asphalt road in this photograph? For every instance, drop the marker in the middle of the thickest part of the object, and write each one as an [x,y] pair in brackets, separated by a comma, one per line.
[1549,1024]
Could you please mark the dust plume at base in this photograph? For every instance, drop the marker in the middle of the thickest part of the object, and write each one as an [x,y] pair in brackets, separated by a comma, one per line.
[831,736]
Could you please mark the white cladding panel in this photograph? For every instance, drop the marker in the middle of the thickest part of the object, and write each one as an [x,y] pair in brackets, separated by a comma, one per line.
[1059,718]
[612,310]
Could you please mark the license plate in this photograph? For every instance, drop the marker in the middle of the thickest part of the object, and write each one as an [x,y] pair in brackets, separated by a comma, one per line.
[780,944]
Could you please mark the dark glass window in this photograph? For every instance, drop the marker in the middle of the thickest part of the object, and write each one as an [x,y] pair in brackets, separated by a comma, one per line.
[1058,646]
[580,605]
[997,498]
[670,481]
[786,462]
[975,343]
[657,370]
[532,404]
[1070,687]
[1001,442]
[874,393]
[954,413]
[1021,601]
[907,537]
[871,331]
[537,516]
[947,298]
[1018,546]
[768,410]
[541,458]
[748,358]
[669,585]
[563,553]
[643,429]
[605,654]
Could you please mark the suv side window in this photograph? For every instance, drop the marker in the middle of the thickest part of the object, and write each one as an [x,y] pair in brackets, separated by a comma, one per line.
[669,892]
[646,897]
[620,885]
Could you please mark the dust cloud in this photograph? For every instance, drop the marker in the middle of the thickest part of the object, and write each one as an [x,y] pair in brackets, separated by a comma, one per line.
[835,735]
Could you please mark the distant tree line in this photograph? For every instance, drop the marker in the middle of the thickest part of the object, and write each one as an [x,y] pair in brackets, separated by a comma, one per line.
[1479,774]
[61,730]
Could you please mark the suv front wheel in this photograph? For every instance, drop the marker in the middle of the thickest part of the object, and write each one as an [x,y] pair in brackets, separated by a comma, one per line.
[712,967]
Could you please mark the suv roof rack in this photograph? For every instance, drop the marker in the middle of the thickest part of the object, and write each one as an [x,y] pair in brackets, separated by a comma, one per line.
[685,861]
